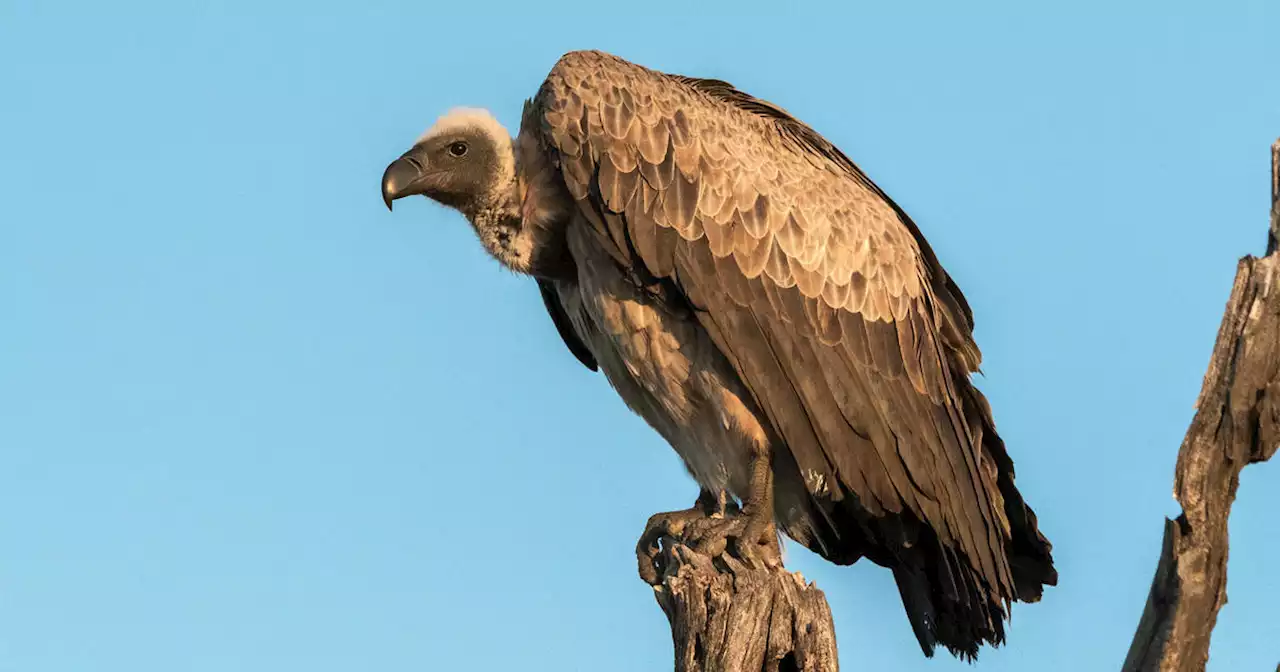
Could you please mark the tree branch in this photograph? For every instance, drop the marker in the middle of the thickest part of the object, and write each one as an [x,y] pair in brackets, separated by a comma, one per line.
[1273,239]
[1237,423]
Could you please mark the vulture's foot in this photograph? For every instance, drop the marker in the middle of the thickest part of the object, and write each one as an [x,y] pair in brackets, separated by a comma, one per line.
[750,537]
[708,507]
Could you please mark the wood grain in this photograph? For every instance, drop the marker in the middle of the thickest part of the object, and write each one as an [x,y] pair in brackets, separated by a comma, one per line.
[726,617]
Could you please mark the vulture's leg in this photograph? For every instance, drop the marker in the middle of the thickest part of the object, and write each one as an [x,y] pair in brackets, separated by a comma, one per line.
[761,534]
[723,506]
[673,523]
[753,532]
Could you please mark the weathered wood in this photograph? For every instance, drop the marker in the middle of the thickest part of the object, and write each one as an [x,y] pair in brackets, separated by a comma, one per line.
[726,617]
[1237,422]
[1273,240]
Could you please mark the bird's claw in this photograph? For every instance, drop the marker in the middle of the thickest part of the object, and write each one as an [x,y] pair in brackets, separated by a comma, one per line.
[709,507]
[712,526]
[750,539]
[668,524]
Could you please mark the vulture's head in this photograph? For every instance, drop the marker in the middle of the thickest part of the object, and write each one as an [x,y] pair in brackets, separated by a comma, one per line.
[465,161]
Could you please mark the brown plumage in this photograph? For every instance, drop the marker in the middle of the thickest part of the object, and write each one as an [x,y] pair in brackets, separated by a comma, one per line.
[775,316]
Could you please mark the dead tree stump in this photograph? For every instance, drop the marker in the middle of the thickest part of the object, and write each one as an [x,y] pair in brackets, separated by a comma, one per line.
[1237,423]
[726,617]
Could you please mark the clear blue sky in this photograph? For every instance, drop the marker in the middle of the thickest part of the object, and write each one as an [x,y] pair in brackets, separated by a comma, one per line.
[250,420]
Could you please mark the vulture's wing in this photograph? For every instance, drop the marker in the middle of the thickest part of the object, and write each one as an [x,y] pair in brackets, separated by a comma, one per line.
[561,319]
[830,305]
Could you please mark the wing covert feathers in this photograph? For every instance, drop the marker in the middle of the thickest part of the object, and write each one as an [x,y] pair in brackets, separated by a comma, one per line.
[835,313]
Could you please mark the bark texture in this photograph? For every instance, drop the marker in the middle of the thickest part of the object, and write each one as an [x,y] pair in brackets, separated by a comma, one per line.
[1237,423]
[726,617]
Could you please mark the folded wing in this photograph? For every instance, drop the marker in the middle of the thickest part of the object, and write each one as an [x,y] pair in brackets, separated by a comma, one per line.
[833,310]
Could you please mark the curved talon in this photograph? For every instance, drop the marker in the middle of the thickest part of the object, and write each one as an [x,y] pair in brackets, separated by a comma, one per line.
[647,547]
[659,525]
[750,539]
[713,525]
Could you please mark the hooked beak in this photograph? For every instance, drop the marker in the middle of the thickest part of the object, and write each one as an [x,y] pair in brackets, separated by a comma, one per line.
[402,178]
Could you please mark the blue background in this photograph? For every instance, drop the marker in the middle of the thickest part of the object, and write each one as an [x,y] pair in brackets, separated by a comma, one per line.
[249,420]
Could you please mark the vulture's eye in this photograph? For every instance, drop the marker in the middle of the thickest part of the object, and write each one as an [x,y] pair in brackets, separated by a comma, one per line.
[458,148]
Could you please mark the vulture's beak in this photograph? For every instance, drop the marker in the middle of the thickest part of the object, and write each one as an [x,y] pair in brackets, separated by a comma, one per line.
[401,178]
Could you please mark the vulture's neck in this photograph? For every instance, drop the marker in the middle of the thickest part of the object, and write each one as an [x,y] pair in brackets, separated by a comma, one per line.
[522,221]
[498,222]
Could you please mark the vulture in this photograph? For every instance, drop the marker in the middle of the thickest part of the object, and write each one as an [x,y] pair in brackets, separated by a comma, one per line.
[749,292]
